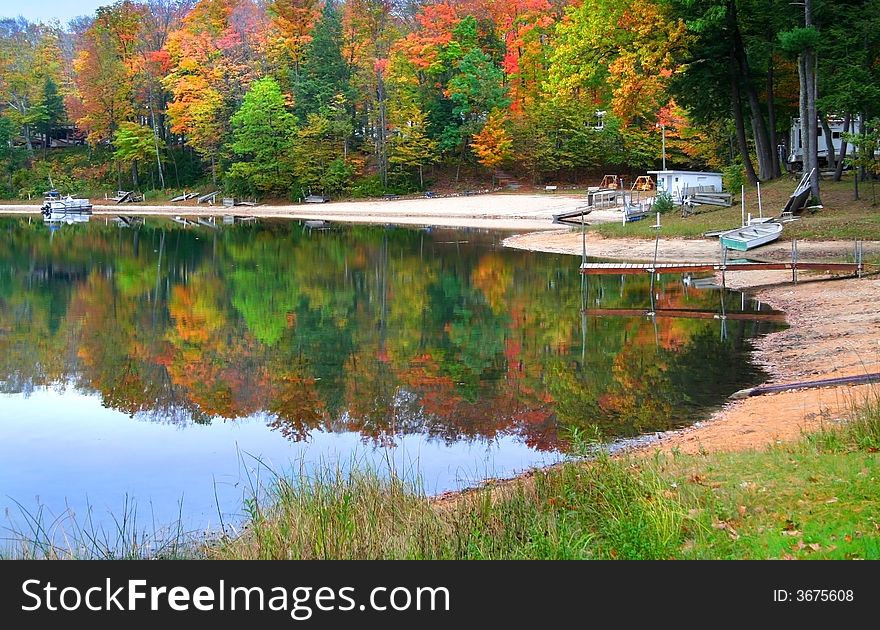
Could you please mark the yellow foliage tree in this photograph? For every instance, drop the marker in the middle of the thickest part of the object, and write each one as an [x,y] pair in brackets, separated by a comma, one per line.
[493,144]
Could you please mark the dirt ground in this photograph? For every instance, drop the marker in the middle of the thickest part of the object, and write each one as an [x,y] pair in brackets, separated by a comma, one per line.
[834,331]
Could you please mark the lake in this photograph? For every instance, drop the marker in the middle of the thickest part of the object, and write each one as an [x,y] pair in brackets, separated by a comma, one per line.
[169,370]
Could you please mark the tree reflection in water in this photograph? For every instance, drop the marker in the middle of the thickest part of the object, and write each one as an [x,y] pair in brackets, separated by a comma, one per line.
[385,332]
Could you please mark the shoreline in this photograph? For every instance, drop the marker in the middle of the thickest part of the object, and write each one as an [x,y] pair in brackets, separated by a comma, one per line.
[846,342]
[833,330]
[490,211]
[787,356]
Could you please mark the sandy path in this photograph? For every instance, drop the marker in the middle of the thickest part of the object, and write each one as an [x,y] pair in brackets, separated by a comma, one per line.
[496,211]
[834,331]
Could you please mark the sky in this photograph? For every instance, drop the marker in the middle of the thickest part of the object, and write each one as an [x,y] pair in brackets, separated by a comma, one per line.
[47,10]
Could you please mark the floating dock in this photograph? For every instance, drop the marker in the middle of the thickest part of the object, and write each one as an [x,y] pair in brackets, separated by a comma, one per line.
[613,269]
[682,313]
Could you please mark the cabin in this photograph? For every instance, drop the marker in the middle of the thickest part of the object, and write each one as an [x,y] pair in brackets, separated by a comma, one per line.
[835,124]
[678,183]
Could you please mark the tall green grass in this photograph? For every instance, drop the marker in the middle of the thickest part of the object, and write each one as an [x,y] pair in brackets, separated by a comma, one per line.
[812,498]
[604,510]
[40,535]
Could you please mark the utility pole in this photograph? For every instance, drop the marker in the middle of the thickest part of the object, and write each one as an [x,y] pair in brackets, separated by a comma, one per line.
[663,140]
[663,143]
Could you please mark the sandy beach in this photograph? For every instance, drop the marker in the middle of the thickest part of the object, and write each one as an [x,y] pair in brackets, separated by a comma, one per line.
[492,211]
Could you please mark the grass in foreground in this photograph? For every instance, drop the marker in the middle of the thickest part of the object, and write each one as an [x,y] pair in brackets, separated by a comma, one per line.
[38,535]
[815,498]
[842,217]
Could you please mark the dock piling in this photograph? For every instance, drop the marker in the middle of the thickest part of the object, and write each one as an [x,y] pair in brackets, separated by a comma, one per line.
[858,255]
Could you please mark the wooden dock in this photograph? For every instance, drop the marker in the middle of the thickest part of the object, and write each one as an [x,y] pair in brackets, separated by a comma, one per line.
[613,269]
[683,313]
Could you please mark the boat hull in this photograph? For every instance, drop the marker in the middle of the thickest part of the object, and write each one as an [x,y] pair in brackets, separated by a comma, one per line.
[746,238]
[62,216]
[67,205]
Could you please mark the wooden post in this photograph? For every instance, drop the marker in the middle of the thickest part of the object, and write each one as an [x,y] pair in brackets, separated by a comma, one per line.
[760,206]
[723,265]
[654,266]
[583,241]
[794,257]
[859,258]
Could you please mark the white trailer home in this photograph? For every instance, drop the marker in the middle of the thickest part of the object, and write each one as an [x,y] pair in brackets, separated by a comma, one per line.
[796,155]
[678,183]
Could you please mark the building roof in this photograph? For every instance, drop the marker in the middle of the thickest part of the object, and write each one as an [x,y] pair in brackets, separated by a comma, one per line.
[684,173]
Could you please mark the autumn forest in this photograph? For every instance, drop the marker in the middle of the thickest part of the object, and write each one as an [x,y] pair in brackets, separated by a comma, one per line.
[276,98]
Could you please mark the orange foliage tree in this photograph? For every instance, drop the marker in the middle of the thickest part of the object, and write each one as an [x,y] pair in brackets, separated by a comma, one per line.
[105,67]
[492,144]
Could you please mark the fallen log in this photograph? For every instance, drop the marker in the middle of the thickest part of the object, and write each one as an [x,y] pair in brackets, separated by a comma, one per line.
[827,382]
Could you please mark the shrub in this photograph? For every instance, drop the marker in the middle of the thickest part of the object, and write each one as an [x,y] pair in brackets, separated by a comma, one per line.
[663,203]
[370,186]
[734,177]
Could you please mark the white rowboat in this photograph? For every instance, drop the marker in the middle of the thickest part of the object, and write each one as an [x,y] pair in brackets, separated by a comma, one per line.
[751,236]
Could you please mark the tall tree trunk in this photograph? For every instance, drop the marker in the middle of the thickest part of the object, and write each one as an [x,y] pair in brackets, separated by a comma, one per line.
[804,115]
[863,131]
[838,172]
[26,130]
[381,140]
[156,142]
[134,174]
[771,118]
[763,150]
[809,83]
[742,143]
[829,141]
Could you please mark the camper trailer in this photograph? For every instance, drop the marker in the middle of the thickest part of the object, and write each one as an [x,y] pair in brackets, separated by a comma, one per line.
[836,124]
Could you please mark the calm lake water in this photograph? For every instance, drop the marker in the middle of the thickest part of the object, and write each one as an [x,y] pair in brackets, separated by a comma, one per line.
[169,367]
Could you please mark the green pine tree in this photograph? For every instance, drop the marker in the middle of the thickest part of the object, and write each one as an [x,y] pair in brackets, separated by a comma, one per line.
[324,77]
[51,110]
[263,138]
